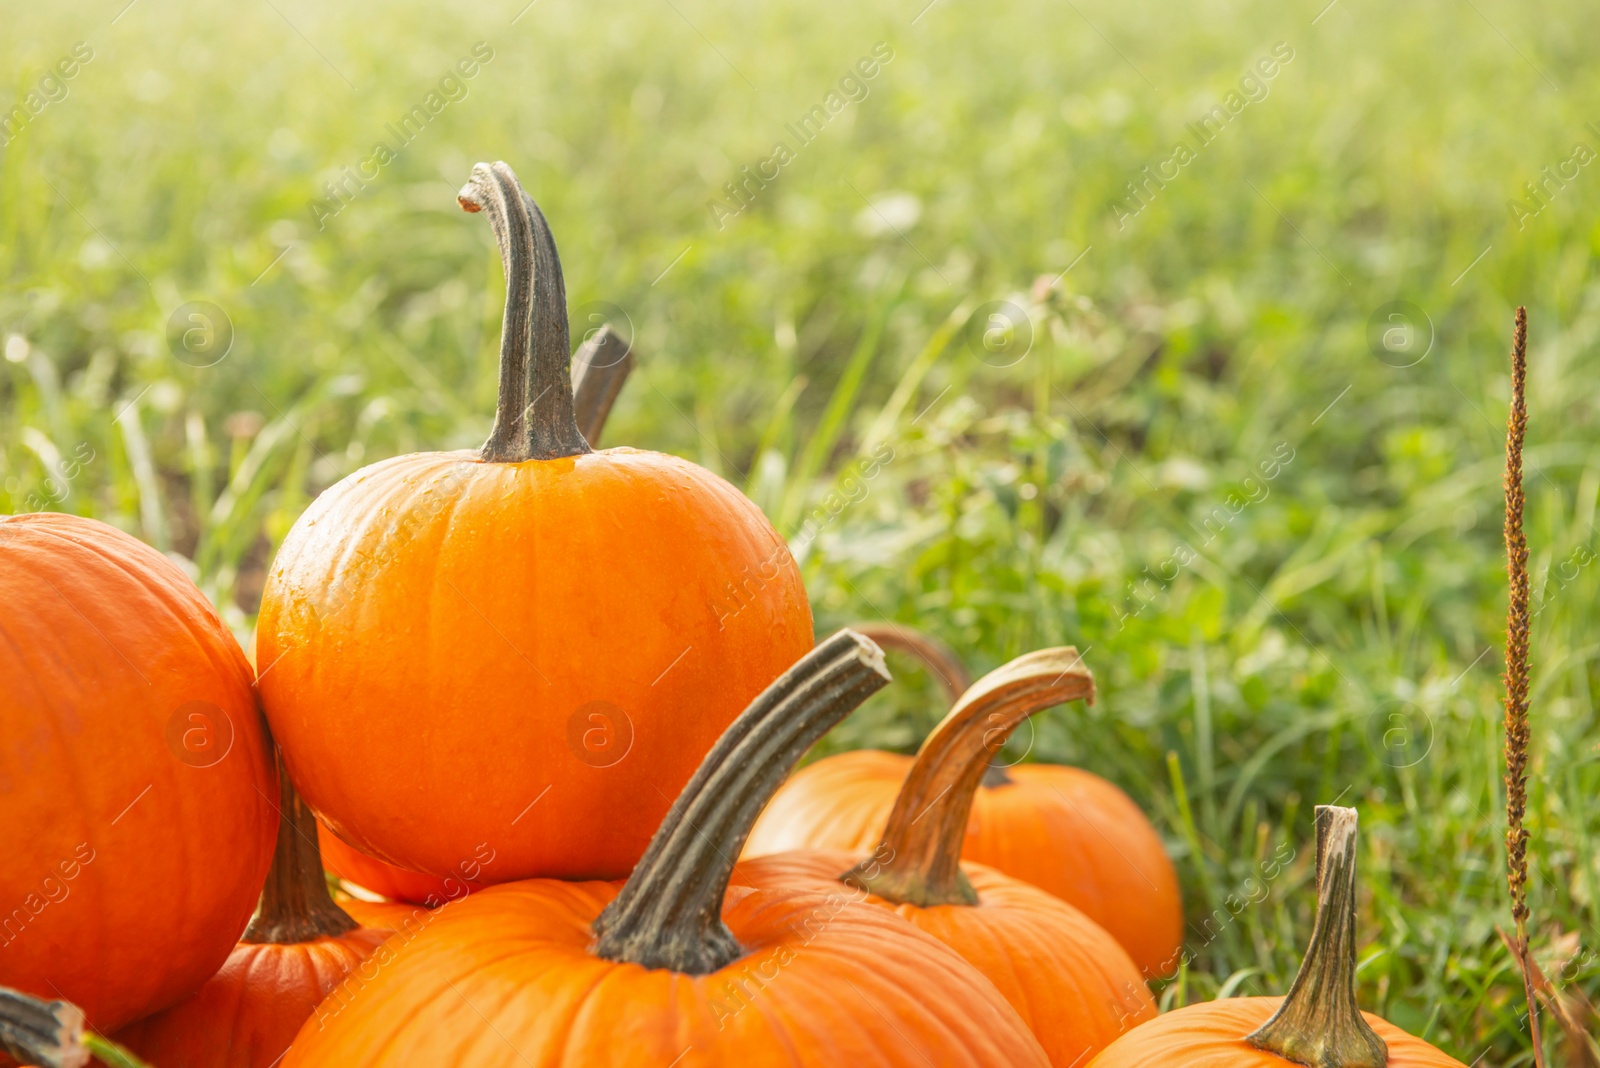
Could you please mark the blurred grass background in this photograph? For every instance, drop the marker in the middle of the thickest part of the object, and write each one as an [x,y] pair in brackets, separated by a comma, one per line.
[1335,636]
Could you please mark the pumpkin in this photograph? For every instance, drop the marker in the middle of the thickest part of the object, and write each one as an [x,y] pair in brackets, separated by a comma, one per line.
[1067,978]
[136,787]
[600,368]
[1318,1023]
[393,915]
[674,966]
[53,1034]
[297,949]
[386,880]
[524,650]
[1063,829]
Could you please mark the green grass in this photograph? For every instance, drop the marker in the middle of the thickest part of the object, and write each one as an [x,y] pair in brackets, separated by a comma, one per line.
[1224,326]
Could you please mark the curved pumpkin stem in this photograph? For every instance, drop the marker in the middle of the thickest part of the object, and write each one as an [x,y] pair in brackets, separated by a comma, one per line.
[942,663]
[669,914]
[1319,1023]
[295,903]
[599,368]
[941,660]
[929,820]
[534,417]
[52,1034]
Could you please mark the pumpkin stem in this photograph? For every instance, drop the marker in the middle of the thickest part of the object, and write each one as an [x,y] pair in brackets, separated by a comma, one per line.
[942,663]
[48,1033]
[52,1034]
[669,913]
[941,660]
[929,820]
[995,775]
[1319,1023]
[599,368]
[295,904]
[533,418]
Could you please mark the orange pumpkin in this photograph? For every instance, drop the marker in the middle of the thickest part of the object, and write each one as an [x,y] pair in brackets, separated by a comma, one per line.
[1318,1023]
[1063,829]
[136,787]
[386,880]
[297,949]
[1067,978]
[599,368]
[391,915]
[528,649]
[674,967]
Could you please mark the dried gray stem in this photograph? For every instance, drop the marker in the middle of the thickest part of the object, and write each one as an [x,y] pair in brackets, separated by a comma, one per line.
[534,417]
[45,1033]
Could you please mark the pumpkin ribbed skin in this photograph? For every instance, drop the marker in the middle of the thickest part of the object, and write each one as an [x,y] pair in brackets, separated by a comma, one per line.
[137,838]
[396,884]
[246,1015]
[1211,1035]
[1069,980]
[1063,829]
[452,641]
[505,979]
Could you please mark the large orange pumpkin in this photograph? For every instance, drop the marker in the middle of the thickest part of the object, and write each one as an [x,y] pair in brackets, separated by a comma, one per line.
[1064,974]
[1318,1023]
[297,949]
[600,367]
[675,968]
[136,788]
[1063,829]
[525,650]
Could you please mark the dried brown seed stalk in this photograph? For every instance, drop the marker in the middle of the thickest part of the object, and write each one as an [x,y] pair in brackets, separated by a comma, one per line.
[1516,673]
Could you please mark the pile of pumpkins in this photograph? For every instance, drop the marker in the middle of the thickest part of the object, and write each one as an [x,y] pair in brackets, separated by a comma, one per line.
[501,695]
